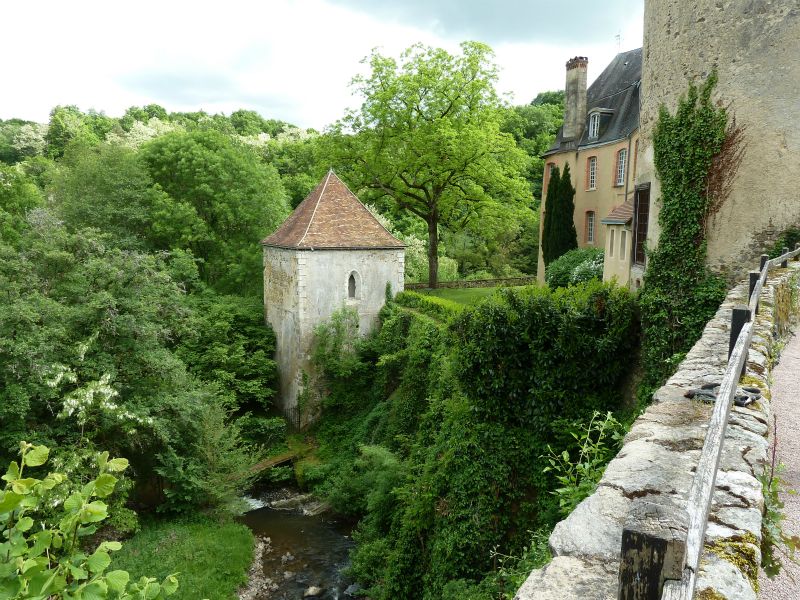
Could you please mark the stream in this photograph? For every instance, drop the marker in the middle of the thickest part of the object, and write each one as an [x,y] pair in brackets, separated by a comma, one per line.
[302,551]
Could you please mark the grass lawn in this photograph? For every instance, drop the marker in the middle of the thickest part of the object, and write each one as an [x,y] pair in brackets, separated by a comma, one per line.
[212,559]
[466,296]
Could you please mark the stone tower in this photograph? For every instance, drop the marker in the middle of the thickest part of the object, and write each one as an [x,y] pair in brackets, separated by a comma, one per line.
[330,253]
[755,47]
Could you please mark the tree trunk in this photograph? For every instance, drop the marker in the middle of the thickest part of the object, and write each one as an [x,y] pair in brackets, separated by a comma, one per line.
[433,251]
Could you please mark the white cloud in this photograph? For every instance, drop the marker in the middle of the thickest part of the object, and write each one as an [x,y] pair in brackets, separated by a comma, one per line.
[288,59]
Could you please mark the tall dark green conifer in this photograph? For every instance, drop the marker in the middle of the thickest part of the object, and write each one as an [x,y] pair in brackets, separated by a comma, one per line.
[564,235]
[558,234]
[551,200]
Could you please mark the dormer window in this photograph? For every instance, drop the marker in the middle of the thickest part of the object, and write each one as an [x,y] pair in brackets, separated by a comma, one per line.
[594,125]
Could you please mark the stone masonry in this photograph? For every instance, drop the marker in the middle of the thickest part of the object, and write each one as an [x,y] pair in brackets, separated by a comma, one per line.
[658,460]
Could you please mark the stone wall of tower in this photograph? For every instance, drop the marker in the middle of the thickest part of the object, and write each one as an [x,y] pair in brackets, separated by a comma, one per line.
[303,288]
[754,45]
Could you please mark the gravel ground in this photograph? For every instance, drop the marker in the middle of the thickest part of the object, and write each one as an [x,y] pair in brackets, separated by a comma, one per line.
[786,407]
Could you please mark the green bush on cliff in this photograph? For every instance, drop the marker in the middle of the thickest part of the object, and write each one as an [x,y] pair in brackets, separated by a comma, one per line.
[438,439]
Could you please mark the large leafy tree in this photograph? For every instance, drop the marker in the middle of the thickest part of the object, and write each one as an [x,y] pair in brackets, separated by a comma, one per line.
[223,200]
[428,136]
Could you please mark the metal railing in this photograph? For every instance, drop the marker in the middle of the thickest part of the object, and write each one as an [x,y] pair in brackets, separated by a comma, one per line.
[661,543]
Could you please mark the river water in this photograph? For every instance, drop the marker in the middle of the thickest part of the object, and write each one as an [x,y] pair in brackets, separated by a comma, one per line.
[304,551]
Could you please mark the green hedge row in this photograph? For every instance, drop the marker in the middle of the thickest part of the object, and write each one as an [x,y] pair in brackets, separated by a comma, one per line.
[532,355]
[433,306]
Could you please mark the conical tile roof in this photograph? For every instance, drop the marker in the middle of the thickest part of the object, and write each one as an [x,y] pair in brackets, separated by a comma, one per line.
[331,217]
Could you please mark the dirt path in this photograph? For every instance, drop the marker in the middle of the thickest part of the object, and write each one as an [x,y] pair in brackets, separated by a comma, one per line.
[786,406]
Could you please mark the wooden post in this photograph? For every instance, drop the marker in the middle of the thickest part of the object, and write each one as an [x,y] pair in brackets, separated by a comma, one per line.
[797,247]
[653,548]
[739,316]
[764,259]
[754,277]
[785,262]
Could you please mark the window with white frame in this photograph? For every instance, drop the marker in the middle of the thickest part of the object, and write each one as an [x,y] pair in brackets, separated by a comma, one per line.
[622,156]
[594,125]
[590,227]
[623,242]
[611,243]
[592,172]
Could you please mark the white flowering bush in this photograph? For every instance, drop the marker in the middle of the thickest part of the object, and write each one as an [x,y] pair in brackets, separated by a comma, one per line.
[141,133]
[30,139]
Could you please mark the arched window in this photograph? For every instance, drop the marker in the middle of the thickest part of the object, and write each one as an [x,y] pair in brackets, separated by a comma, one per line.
[351,286]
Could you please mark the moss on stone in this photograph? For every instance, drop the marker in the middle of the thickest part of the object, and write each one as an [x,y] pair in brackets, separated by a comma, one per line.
[749,380]
[742,553]
[709,594]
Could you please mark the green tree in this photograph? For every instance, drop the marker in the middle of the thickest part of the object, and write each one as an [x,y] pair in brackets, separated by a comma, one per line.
[559,235]
[69,125]
[534,128]
[222,201]
[108,188]
[428,136]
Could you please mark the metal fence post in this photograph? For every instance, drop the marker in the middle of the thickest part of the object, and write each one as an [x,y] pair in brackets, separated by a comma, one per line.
[785,262]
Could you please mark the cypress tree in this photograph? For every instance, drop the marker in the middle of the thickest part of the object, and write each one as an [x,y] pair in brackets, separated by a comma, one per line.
[564,235]
[551,199]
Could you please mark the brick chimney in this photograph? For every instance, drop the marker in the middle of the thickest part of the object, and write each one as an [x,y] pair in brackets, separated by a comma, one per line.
[575,98]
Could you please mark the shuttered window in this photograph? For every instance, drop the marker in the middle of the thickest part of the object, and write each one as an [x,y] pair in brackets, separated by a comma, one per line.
[641,213]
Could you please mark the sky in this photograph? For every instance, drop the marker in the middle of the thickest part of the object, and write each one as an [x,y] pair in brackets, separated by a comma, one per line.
[287,59]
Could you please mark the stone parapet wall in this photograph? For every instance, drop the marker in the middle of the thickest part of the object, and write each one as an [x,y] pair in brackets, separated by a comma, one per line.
[658,460]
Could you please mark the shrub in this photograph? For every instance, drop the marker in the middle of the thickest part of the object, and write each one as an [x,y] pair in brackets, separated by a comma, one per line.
[533,354]
[787,239]
[437,308]
[46,559]
[576,266]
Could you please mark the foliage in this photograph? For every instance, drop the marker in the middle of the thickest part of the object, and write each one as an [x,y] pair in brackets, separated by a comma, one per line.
[335,348]
[213,556]
[107,188]
[18,196]
[579,473]
[222,200]
[534,127]
[680,294]
[431,305]
[428,137]
[531,354]
[68,125]
[442,424]
[787,239]
[575,266]
[207,464]
[49,560]
[773,537]
[559,234]
[227,344]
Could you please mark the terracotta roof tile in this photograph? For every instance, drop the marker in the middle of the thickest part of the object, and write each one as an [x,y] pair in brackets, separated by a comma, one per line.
[621,215]
[331,217]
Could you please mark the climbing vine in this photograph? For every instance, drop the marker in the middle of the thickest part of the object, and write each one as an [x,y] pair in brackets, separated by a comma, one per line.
[680,294]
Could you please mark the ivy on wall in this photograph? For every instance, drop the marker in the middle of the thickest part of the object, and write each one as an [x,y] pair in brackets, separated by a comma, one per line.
[680,294]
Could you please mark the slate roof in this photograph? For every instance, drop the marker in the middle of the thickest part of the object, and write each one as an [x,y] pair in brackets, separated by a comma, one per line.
[616,93]
[621,215]
[331,217]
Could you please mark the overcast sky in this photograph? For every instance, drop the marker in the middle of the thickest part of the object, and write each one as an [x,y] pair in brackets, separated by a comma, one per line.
[286,59]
